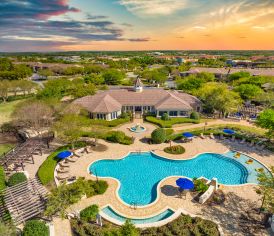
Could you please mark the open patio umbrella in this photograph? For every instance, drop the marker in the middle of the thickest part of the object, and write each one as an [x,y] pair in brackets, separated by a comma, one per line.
[188,135]
[185,184]
[229,131]
[64,154]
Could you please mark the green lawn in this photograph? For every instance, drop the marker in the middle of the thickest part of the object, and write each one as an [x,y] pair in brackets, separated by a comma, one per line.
[4,148]
[6,109]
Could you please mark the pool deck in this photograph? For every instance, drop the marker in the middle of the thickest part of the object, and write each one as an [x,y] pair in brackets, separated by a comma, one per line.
[243,196]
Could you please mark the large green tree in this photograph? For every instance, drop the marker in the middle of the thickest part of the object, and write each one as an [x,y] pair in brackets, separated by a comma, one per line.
[248,91]
[217,97]
[266,121]
[266,190]
[113,77]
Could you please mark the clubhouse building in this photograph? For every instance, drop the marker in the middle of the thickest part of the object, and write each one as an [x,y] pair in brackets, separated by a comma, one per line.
[109,105]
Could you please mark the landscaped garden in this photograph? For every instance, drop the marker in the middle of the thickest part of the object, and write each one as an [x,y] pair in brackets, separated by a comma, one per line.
[170,122]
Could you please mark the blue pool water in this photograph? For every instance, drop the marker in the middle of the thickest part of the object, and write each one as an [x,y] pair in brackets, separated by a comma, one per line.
[140,173]
[164,215]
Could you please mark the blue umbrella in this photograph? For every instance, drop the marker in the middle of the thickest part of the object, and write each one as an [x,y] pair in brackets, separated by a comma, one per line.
[64,154]
[188,135]
[229,131]
[184,183]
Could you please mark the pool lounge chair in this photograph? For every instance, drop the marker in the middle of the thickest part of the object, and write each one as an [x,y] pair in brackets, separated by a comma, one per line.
[64,164]
[211,136]
[261,147]
[63,170]
[233,139]
[88,149]
[202,136]
[222,137]
[251,143]
[62,177]
[72,159]
[243,140]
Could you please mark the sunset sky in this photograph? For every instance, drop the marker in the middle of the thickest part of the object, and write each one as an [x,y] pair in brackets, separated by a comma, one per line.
[53,25]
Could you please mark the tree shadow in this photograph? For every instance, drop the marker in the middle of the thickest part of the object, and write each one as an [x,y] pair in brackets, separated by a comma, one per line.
[237,216]
[170,190]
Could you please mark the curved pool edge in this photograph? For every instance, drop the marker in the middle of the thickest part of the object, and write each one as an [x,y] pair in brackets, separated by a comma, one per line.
[158,190]
[160,223]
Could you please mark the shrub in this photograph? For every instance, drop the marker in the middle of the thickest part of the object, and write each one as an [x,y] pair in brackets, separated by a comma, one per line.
[158,136]
[17,178]
[2,178]
[169,123]
[118,137]
[111,123]
[176,149]
[194,115]
[128,229]
[200,186]
[165,116]
[89,213]
[35,228]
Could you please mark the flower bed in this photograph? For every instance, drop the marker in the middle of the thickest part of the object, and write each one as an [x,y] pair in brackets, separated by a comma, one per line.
[176,150]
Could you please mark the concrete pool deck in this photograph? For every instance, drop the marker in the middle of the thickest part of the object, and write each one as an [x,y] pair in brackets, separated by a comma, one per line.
[227,216]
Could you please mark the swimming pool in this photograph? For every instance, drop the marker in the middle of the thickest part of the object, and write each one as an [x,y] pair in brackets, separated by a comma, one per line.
[109,212]
[140,173]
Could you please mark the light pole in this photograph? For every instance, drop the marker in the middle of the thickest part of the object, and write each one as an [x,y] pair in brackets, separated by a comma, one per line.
[205,126]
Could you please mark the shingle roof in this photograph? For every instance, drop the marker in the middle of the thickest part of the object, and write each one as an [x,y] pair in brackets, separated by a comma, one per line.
[113,100]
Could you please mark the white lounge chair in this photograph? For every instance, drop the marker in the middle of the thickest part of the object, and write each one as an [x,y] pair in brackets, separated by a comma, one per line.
[243,140]
[202,136]
[251,143]
[222,137]
[211,136]
[72,159]
[62,177]
[233,139]
[63,170]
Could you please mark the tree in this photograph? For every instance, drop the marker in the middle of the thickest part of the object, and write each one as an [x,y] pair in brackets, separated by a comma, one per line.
[266,190]
[69,127]
[46,72]
[158,136]
[128,229]
[217,96]
[113,77]
[4,90]
[36,115]
[89,213]
[239,75]
[7,229]
[190,83]
[266,120]
[35,228]
[248,91]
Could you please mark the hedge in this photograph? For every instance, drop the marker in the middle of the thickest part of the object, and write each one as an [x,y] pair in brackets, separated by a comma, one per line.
[158,136]
[111,123]
[169,123]
[176,149]
[2,178]
[17,178]
[46,170]
[35,228]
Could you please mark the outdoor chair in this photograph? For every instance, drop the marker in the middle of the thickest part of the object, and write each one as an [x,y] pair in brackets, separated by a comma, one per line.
[243,140]
[260,147]
[64,164]
[251,143]
[233,139]
[202,136]
[63,170]
[211,136]
[221,136]
[62,177]
[88,149]
[72,159]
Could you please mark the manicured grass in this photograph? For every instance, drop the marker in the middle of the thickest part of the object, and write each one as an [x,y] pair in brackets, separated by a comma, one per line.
[4,148]
[176,150]
[6,110]
[171,122]
[2,178]
[46,170]
[112,123]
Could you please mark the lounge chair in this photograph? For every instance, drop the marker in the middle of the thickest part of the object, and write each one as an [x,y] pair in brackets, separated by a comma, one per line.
[211,136]
[202,136]
[251,143]
[64,164]
[63,170]
[72,159]
[88,149]
[62,177]
[222,137]
[233,139]
[261,147]
[243,140]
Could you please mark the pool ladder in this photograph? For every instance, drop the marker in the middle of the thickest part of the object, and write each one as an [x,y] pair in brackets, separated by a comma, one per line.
[133,205]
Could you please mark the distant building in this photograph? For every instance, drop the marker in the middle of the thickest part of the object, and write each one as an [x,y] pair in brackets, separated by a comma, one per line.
[108,105]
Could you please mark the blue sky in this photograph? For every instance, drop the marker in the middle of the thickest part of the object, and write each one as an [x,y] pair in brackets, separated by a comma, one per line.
[50,25]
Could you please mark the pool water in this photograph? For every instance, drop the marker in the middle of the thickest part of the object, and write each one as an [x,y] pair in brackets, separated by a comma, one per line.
[140,173]
[162,216]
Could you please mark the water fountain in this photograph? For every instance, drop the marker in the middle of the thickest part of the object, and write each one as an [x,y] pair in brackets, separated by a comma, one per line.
[137,128]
